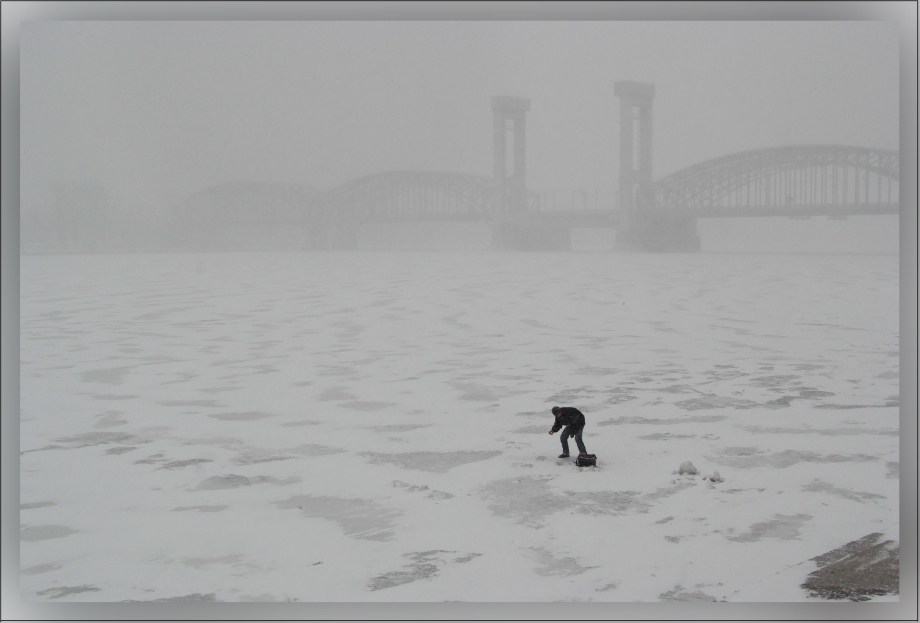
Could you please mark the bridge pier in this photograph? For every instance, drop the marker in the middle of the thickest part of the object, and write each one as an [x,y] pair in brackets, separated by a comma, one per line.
[510,191]
[339,235]
[521,235]
[510,228]
[635,162]
[324,230]
[640,228]
[315,232]
[315,237]
[661,234]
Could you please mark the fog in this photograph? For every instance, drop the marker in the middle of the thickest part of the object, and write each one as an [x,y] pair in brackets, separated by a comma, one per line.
[220,400]
[144,115]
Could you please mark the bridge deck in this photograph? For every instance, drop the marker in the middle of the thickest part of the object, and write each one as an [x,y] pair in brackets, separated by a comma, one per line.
[852,209]
[608,218]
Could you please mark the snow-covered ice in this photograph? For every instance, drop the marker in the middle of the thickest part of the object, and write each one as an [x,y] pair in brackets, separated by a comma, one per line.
[373,426]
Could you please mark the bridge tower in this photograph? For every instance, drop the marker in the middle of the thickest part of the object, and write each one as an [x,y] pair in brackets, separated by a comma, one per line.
[511,229]
[638,228]
[509,192]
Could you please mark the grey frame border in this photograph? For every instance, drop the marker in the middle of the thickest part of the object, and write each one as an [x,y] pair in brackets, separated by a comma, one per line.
[903,14]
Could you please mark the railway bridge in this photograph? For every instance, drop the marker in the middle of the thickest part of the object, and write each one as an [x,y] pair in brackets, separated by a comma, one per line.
[795,181]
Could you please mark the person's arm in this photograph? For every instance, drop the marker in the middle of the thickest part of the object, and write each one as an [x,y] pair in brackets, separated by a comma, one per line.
[555,427]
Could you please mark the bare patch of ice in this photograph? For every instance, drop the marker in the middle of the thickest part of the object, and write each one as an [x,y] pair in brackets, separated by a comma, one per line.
[818,431]
[397,428]
[776,380]
[658,422]
[179,464]
[665,436]
[844,407]
[475,393]
[424,565]
[857,496]
[218,390]
[110,419]
[408,487]
[336,393]
[231,481]
[550,565]
[894,469]
[312,449]
[112,376]
[780,527]
[41,569]
[715,402]
[747,458]
[31,505]
[571,395]
[679,594]
[595,371]
[533,429]
[192,597]
[43,533]
[264,597]
[190,403]
[618,398]
[366,405]
[528,499]
[155,458]
[432,461]
[814,393]
[240,417]
[202,508]
[676,389]
[63,591]
[95,439]
[198,563]
[120,450]
[358,518]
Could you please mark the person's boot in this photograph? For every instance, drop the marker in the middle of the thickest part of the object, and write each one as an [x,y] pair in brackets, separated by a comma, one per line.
[563,456]
[582,454]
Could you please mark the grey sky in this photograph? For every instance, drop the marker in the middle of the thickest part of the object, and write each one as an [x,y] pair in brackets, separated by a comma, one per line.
[159,110]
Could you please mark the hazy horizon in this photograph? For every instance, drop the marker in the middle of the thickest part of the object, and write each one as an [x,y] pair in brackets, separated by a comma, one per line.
[156,111]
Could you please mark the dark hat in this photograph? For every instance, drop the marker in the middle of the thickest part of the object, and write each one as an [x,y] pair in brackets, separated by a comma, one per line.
[556,410]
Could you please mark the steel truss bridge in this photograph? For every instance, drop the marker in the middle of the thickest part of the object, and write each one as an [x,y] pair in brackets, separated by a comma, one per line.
[412,196]
[798,180]
[792,181]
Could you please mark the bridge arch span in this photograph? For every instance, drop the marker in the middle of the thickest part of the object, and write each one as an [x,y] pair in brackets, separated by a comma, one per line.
[796,179]
[411,196]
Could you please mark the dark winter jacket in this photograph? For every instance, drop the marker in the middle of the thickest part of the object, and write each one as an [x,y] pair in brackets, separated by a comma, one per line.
[569,416]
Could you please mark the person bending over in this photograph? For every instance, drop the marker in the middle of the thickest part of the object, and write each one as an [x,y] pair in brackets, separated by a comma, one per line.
[574,422]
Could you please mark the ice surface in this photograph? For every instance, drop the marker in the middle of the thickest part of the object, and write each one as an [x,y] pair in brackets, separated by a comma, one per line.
[372,426]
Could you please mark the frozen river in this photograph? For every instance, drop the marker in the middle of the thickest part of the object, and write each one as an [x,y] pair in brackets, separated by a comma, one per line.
[373,426]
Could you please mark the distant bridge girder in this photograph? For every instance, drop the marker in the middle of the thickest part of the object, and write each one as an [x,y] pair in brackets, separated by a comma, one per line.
[411,196]
[799,179]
